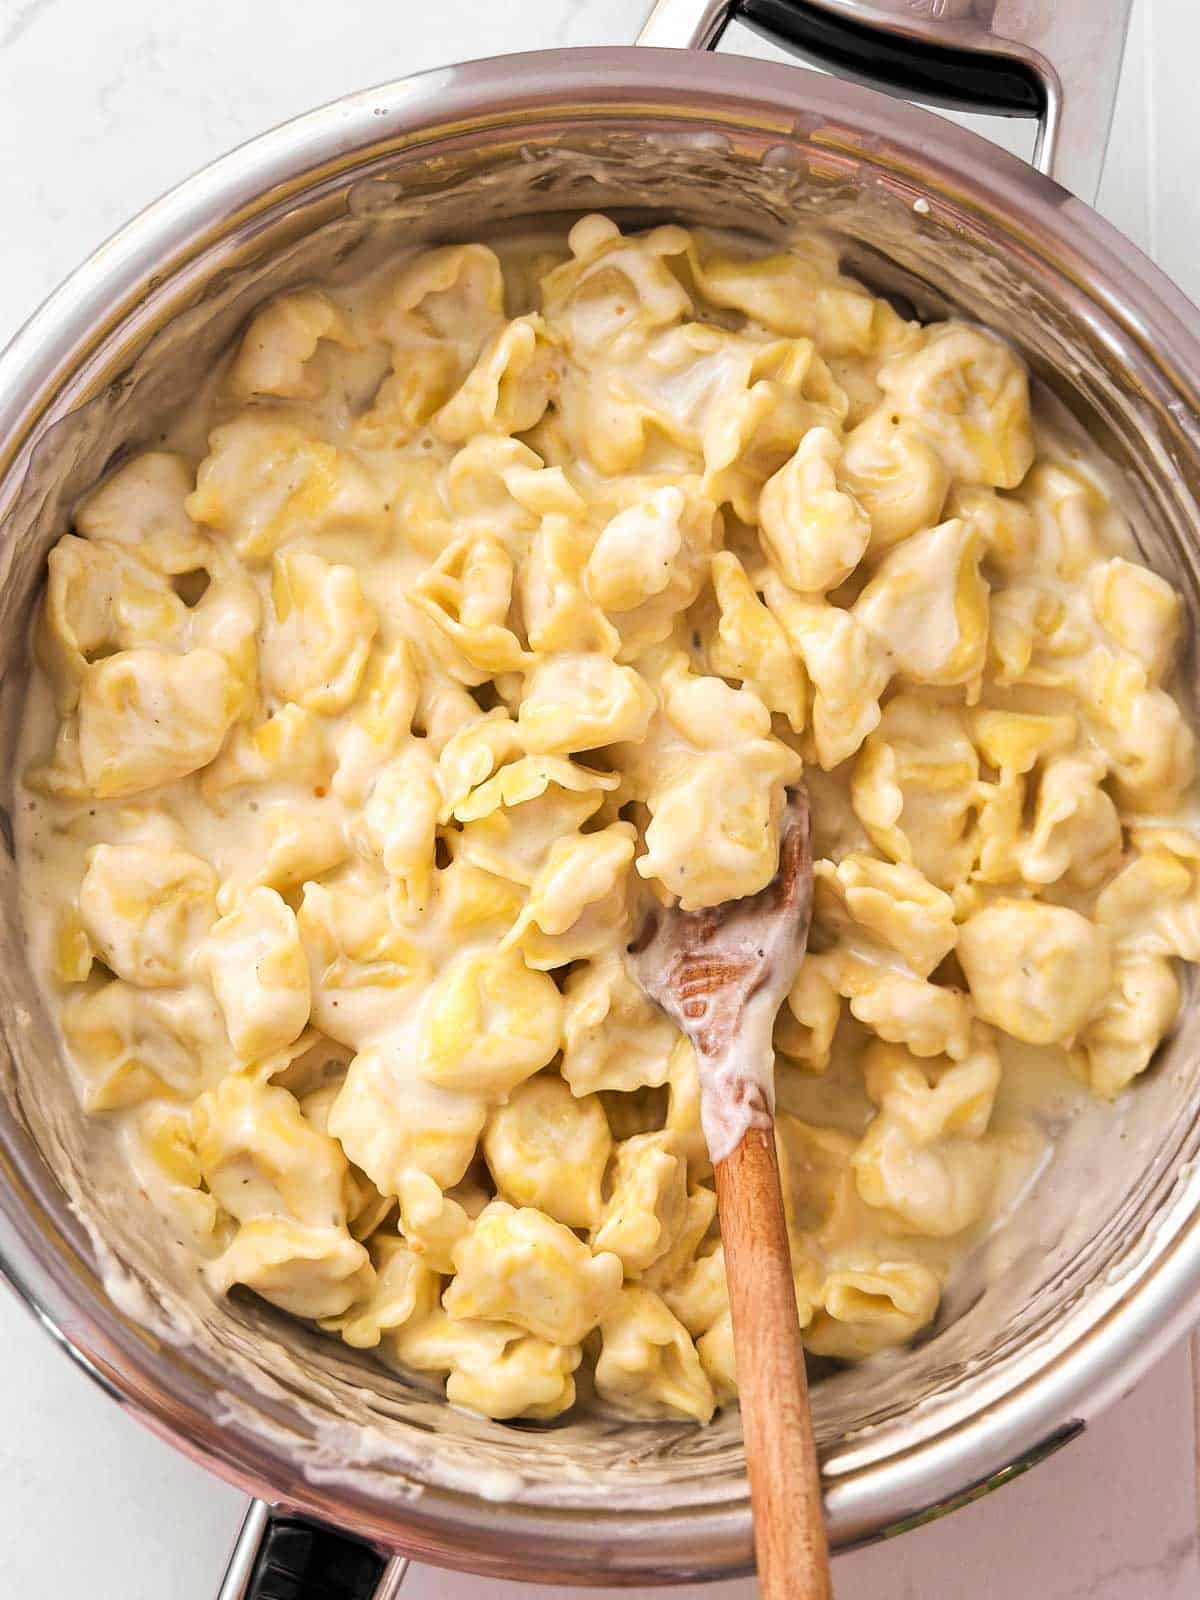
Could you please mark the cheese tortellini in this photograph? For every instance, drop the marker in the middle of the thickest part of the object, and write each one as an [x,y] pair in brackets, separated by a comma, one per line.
[480,604]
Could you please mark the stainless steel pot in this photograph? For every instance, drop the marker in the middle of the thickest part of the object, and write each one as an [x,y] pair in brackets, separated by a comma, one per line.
[1062,1316]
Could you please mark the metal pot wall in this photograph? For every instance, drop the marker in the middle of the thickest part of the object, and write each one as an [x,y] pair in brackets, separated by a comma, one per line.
[1067,1310]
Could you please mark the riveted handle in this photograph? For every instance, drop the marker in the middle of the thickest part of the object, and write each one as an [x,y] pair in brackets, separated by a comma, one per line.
[1054,60]
[283,1557]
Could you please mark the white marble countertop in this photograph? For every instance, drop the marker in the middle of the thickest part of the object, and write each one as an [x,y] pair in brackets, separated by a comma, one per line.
[102,107]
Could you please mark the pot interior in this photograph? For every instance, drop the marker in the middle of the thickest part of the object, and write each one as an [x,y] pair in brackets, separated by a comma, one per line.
[275,1405]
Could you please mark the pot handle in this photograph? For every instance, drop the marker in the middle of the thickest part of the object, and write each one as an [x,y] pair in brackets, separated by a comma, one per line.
[279,1556]
[1056,60]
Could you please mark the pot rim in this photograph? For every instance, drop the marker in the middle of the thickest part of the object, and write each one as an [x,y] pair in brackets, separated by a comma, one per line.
[56,361]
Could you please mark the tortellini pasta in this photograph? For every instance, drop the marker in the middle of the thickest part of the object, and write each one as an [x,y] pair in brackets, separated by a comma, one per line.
[467,595]
[143,910]
[1037,971]
[266,482]
[752,647]
[813,532]
[148,718]
[915,788]
[393,1124]
[577,900]
[134,1045]
[924,1161]
[289,746]
[888,908]
[141,509]
[548,1149]
[488,1024]
[849,670]
[530,1378]
[100,600]
[648,564]
[520,1266]
[261,1157]
[321,633]
[927,607]
[575,702]
[507,389]
[648,1365]
[400,823]
[613,1037]
[1076,831]
[713,833]
[1140,611]
[969,394]
[895,474]
[277,350]
[404,1289]
[476,606]
[359,962]
[259,974]
[310,1271]
[648,1203]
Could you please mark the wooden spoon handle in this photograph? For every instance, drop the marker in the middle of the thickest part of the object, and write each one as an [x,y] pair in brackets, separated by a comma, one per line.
[781,1457]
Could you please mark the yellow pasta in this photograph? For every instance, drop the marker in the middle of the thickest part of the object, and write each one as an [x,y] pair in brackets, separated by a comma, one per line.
[475,607]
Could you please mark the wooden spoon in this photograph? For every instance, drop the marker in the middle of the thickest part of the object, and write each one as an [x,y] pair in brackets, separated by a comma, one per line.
[721,974]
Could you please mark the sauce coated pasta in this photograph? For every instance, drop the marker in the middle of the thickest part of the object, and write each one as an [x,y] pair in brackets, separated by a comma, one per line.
[475,601]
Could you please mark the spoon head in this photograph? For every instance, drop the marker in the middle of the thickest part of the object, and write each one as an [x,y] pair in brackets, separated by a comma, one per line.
[703,967]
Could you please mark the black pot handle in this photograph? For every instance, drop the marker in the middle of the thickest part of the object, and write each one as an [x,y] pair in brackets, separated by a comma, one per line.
[918,69]
[281,1556]
[1054,60]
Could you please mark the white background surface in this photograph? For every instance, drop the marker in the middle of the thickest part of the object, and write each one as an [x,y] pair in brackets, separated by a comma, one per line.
[103,105]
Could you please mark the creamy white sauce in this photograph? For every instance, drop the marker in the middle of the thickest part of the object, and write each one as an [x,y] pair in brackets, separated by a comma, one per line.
[738,1090]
